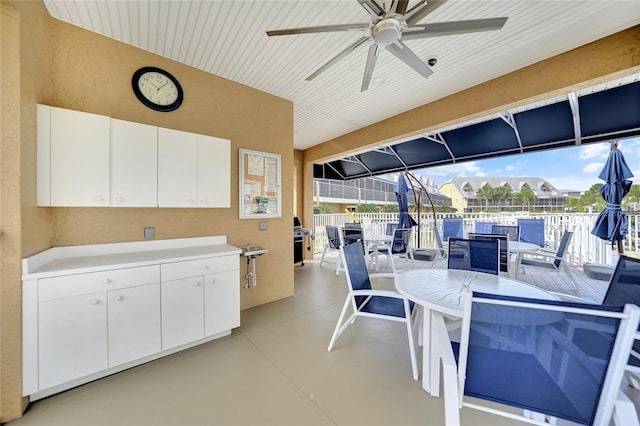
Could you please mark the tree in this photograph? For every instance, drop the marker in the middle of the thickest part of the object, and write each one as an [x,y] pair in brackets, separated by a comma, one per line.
[633,197]
[524,197]
[501,193]
[368,208]
[322,209]
[485,193]
[390,208]
[593,198]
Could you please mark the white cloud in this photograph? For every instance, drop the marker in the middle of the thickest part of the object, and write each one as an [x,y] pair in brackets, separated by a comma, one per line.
[593,168]
[593,151]
[510,167]
[458,169]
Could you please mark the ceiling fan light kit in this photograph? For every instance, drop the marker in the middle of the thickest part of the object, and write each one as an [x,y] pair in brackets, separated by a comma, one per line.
[389,28]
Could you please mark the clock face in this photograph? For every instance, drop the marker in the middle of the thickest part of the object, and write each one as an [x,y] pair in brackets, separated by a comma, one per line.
[157,89]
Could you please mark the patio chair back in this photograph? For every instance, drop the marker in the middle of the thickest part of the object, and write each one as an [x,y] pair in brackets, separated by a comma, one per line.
[474,255]
[532,231]
[624,287]
[562,248]
[391,228]
[484,227]
[518,352]
[513,231]
[352,233]
[503,241]
[452,227]
[333,237]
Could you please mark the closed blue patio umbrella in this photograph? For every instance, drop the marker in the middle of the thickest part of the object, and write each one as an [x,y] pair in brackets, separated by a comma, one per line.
[405,220]
[611,223]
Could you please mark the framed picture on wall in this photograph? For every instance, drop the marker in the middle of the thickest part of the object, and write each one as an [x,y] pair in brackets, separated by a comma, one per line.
[260,185]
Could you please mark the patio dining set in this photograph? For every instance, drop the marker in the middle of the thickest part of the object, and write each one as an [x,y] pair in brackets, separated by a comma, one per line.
[489,336]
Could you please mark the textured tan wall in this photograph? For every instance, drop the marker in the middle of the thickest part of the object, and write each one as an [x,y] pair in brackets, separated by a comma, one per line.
[50,62]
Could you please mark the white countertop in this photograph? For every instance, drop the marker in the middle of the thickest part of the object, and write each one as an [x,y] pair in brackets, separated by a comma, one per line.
[58,261]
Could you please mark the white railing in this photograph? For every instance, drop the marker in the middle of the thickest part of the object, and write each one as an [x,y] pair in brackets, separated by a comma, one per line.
[584,247]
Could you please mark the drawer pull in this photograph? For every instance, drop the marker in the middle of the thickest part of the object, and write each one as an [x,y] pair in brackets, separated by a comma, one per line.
[212,281]
[95,302]
[106,281]
[204,267]
[118,298]
[119,199]
[196,284]
[99,198]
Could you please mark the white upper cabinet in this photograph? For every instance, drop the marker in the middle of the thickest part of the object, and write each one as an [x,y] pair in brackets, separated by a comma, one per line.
[214,172]
[193,170]
[177,168]
[79,158]
[89,160]
[134,164]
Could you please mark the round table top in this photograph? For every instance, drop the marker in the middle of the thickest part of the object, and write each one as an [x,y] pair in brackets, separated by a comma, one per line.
[443,290]
[378,237]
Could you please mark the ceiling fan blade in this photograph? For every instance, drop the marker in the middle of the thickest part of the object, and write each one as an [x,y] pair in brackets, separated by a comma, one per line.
[454,27]
[420,10]
[368,69]
[318,29]
[336,58]
[401,8]
[402,52]
[371,6]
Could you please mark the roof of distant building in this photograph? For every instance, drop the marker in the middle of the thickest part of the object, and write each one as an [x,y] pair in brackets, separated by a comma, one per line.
[468,186]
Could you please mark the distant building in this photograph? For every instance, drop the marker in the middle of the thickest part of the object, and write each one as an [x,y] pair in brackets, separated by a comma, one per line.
[463,192]
[349,194]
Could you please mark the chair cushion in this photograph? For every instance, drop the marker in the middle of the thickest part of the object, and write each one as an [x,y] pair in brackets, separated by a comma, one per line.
[598,271]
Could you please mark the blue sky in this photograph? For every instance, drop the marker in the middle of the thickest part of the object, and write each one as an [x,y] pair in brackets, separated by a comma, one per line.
[567,168]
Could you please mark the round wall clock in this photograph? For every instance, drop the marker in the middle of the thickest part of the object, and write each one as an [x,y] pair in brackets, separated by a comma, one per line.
[157,89]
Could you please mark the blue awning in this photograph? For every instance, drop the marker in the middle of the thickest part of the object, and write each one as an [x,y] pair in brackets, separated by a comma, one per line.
[594,117]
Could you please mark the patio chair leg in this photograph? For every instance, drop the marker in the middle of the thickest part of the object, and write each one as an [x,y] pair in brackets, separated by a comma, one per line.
[566,269]
[338,264]
[340,327]
[323,253]
[412,345]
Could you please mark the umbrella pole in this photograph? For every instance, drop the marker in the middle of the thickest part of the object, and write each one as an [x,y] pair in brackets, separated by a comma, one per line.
[614,146]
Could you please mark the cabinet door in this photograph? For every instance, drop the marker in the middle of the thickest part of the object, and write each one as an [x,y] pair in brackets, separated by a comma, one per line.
[182,307]
[134,323]
[134,164]
[79,158]
[177,168]
[221,301]
[72,338]
[214,172]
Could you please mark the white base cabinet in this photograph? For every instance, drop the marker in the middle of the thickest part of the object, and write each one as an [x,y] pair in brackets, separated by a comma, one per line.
[85,317]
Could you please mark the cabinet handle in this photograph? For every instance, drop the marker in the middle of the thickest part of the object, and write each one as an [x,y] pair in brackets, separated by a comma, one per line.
[99,198]
[190,200]
[204,267]
[119,199]
[204,201]
[212,281]
[106,281]
[118,298]
[196,284]
[95,302]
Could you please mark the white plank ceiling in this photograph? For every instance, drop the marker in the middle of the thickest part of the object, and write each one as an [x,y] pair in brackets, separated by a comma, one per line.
[227,38]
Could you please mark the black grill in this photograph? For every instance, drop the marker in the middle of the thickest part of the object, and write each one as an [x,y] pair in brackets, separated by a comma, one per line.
[299,234]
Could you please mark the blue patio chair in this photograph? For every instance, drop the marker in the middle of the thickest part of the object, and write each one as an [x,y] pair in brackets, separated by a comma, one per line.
[513,231]
[484,227]
[553,261]
[352,232]
[367,302]
[624,287]
[503,245]
[532,231]
[474,255]
[452,227]
[391,228]
[400,247]
[516,352]
[334,242]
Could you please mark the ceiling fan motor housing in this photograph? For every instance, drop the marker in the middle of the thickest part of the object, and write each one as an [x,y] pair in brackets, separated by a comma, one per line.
[386,32]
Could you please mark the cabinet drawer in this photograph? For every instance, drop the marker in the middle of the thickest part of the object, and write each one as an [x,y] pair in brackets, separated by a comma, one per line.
[192,268]
[74,285]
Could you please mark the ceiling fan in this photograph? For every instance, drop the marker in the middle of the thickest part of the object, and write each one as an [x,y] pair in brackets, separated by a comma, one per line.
[389,28]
